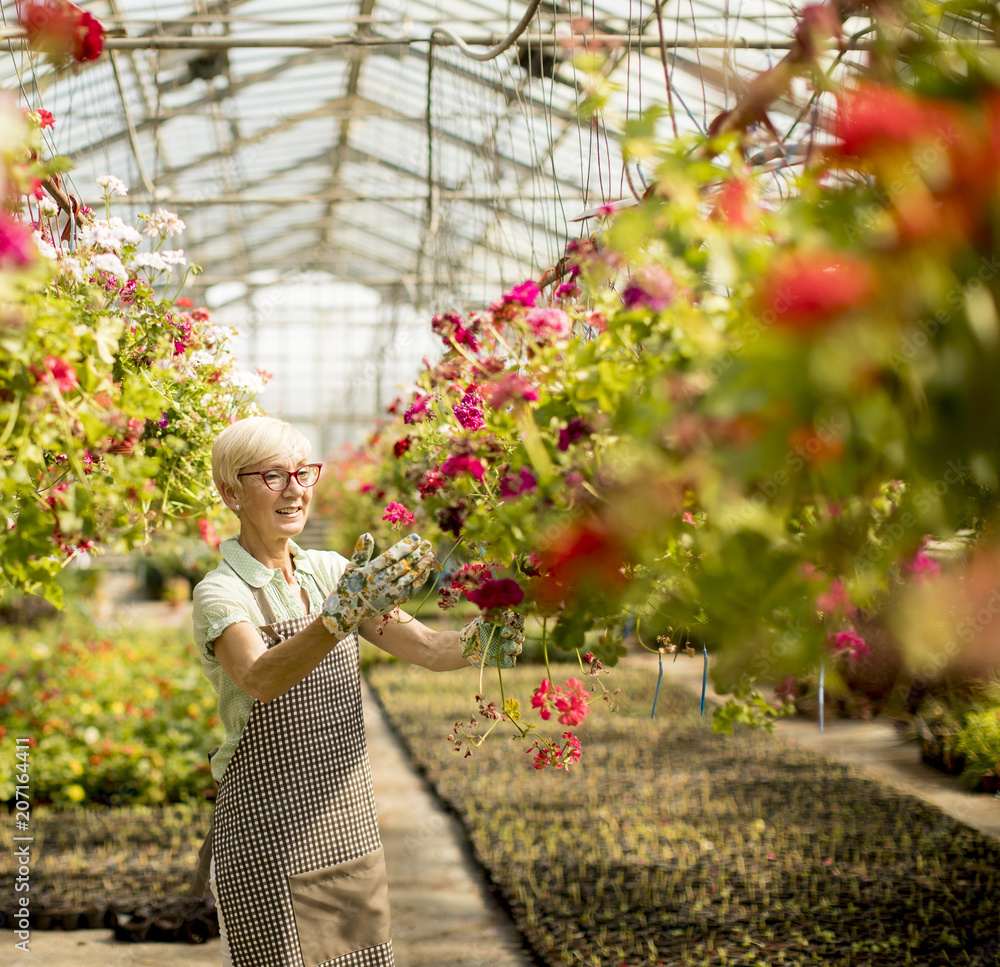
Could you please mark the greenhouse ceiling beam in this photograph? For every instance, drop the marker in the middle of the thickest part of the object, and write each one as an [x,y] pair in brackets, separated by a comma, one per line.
[213,96]
[472,147]
[484,200]
[286,123]
[16,35]
[196,201]
[199,243]
[298,163]
[459,69]
[360,157]
[301,60]
[323,248]
[329,254]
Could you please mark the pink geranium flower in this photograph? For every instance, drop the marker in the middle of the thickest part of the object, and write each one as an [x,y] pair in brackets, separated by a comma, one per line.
[849,643]
[469,412]
[208,534]
[835,600]
[557,756]
[455,465]
[57,370]
[396,513]
[513,485]
[573,702]
[549,323]
[922,567]
[16,246]
[651,288]
[417,412]
[526,294]
[511,387]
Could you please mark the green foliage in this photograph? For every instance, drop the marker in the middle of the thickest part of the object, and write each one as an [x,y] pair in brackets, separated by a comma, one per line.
[110,393]
[118,718]
[979,741]
[765,404]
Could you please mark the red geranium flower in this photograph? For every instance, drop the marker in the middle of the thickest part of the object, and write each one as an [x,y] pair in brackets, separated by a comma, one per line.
[431,482]
[504,593]
[874,118]
[62,30]
[736,203]
[208,534]
[45,119]
[59,370]
[454,465]
[805,290]
[586,559]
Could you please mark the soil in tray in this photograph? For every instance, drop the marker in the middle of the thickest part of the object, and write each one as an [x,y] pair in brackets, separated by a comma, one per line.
[670,844]
[91,863]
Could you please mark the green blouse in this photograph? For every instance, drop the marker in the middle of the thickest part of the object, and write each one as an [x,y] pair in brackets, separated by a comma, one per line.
[224,597]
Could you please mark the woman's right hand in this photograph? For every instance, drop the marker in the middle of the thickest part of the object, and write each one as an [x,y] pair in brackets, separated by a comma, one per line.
[369,588]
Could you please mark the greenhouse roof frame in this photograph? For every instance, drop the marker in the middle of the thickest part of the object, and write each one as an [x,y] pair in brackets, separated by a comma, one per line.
[384,140]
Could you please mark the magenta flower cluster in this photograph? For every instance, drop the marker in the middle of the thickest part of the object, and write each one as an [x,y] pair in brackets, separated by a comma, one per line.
[572,702]
[469,412]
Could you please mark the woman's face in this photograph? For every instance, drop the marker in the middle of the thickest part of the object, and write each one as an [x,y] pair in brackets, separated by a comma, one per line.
[271,514]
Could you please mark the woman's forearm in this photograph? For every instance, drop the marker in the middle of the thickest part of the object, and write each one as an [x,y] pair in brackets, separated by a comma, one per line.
[285,664]
[411,641]
[446,652]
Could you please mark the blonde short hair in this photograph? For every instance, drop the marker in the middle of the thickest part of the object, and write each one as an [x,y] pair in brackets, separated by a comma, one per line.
[251,441]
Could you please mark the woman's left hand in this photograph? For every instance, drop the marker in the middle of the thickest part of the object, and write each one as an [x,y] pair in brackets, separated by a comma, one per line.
[488,644]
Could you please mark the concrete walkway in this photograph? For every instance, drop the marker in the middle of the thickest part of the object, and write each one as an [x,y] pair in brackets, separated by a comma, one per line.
[443,914]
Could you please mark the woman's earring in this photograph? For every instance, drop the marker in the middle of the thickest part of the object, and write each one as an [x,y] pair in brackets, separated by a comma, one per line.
[237,506]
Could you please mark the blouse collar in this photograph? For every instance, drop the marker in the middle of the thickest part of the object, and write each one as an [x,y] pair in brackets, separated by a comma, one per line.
[253,571]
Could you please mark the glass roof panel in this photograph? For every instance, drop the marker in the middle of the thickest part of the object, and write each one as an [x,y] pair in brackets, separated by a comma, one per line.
[289,158]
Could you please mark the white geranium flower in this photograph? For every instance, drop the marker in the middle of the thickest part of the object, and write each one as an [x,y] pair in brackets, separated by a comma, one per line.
[215,337]
[47,207]
[100,236]
[108,262]
[150,260]
[113,185]
[244,380]
[125,233]
[201,357]
[163,223]
[71,267]
[173,256]
[47,249]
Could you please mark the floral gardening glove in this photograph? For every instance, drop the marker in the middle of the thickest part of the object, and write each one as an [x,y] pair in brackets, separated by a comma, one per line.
[501,644]
[369,588]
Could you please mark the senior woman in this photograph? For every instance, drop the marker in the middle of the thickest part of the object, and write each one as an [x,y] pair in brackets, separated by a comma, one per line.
[294,857]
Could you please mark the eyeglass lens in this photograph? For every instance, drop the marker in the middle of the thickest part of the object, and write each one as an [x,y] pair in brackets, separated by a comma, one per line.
[278,479]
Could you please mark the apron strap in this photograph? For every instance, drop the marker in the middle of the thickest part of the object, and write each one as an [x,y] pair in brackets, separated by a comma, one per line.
[268,612]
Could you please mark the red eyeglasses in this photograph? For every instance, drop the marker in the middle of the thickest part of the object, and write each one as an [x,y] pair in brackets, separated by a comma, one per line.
[277,479]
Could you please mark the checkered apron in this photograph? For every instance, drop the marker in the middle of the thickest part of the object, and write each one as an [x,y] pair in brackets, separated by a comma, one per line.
[299,865]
